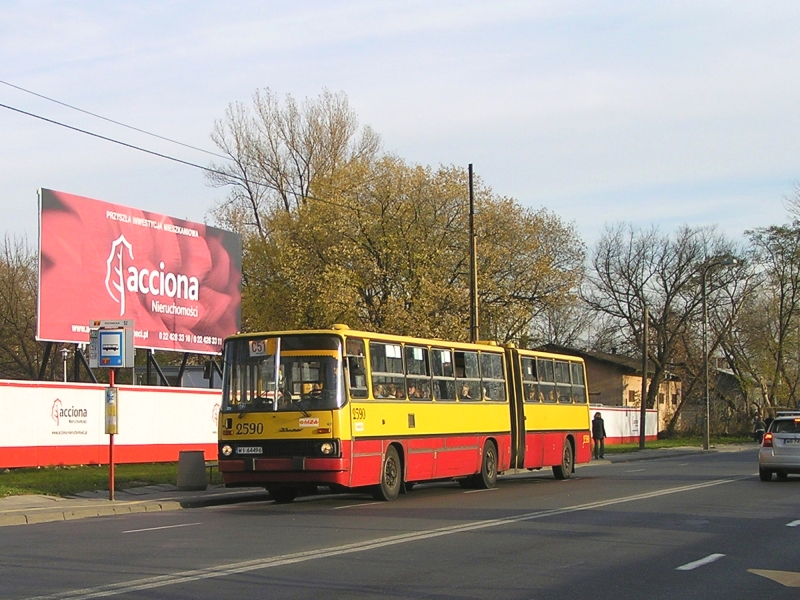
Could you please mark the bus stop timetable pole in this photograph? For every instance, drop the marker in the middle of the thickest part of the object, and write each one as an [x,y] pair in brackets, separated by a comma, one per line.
[112,400]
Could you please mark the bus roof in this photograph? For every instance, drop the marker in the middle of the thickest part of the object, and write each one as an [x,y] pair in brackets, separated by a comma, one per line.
[345,331]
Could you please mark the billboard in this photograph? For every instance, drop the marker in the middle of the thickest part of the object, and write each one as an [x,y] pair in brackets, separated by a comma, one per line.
[179,281]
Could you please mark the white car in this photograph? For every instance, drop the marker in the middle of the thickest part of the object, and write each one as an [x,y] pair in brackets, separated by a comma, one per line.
[780,447]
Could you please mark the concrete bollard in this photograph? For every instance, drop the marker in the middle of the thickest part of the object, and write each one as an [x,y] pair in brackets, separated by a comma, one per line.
[192,470]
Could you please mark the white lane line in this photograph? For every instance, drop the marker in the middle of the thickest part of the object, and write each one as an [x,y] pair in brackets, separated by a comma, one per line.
[634,470]
[355,505]
[164,527]
[478,491]
[699,563]
[793,523]
[126,587]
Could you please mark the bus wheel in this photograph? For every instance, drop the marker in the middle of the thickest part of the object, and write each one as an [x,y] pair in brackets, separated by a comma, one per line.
[391,477]
[487,478]
[564,470]
[283,495]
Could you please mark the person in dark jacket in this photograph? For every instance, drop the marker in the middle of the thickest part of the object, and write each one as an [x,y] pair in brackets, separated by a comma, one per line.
[599,436]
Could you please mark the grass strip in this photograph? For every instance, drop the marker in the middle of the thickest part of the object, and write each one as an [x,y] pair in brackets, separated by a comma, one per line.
[66,481]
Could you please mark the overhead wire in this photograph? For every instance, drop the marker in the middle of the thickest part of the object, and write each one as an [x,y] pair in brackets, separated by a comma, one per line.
[240,178]
[90,113]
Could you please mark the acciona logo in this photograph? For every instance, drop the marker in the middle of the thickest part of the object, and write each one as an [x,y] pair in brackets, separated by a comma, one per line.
[152,282]
[71,413]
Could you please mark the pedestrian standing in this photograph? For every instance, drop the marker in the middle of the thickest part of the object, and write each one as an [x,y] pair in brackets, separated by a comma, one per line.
[599,436]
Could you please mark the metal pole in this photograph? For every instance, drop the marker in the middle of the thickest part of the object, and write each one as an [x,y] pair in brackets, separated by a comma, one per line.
[473,264]
[707,429]
[111,383]
[643,407]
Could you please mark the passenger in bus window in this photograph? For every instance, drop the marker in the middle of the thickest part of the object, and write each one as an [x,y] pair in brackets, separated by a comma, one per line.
[425,391]
[399,392]
[413,392]
[465,392]
[379,391]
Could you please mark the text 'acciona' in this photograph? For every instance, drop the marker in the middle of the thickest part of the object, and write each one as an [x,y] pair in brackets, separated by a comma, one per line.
[159,283]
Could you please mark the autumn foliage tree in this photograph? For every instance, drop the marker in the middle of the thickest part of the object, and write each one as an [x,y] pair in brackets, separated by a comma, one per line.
[337,232]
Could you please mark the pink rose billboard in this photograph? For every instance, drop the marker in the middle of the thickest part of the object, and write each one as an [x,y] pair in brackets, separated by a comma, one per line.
[179,281]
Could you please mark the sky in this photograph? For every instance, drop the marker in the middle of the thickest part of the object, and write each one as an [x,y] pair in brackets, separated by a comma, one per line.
[653,113]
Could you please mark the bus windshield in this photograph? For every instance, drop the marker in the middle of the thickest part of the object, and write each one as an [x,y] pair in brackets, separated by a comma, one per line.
[282,374]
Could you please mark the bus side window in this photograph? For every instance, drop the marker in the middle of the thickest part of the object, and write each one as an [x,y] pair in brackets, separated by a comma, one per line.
[356,368]
[418,376]
[547,380]
[494,386]
[444,385]
[388,375]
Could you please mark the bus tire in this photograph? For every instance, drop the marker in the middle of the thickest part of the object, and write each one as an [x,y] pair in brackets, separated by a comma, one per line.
[391,477]
[283,495]
[487,478]
[564,470]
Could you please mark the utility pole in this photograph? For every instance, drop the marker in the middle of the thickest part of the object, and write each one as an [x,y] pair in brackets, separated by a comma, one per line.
[473,264]
[643,403]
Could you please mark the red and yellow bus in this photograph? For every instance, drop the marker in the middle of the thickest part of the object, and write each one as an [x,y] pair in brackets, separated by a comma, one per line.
[352,409]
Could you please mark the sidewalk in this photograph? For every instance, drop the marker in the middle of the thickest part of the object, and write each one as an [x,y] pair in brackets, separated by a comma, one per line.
[656,453]
[30,509]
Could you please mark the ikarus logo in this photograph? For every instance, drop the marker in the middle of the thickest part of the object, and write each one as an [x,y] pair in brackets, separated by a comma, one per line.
[152,282]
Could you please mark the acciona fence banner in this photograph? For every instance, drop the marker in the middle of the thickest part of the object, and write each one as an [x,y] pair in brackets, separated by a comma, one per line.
[64,424]
[179,281]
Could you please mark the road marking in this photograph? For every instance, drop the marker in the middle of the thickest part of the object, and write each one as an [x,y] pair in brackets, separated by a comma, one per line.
[478,491]
[126,587]
[355,505]
[793,523]
[164,527]
[634,470]
[785,578]
[699,563]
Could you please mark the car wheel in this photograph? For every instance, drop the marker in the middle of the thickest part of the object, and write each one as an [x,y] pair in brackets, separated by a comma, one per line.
[781,475]
[764,474]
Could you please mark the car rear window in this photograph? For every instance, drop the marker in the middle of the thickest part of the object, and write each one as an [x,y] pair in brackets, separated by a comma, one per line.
[786,426]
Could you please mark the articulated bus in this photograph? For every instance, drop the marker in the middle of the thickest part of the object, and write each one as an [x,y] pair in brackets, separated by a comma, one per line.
[351,409]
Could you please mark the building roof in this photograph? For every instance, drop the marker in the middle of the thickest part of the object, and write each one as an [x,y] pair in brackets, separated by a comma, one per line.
[628,364]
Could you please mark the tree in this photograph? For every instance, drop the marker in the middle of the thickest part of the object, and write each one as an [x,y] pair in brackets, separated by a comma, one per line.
[393,255]
[336,232]
[633,269]
[279,152]
[20,354]
[768,341]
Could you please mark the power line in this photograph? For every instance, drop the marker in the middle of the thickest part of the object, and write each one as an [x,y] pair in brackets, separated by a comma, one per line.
[155,135]
[240,178]
[121,143]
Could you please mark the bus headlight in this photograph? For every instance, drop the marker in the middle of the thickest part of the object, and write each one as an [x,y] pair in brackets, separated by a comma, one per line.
[227,450]
[327,447]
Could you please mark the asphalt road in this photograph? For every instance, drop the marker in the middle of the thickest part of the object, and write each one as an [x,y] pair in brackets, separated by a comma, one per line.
[701,526]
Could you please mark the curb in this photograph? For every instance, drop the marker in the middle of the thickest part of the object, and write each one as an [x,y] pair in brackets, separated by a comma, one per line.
[76,513]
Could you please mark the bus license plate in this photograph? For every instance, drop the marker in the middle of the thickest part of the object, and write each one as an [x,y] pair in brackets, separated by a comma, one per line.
[249,450]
